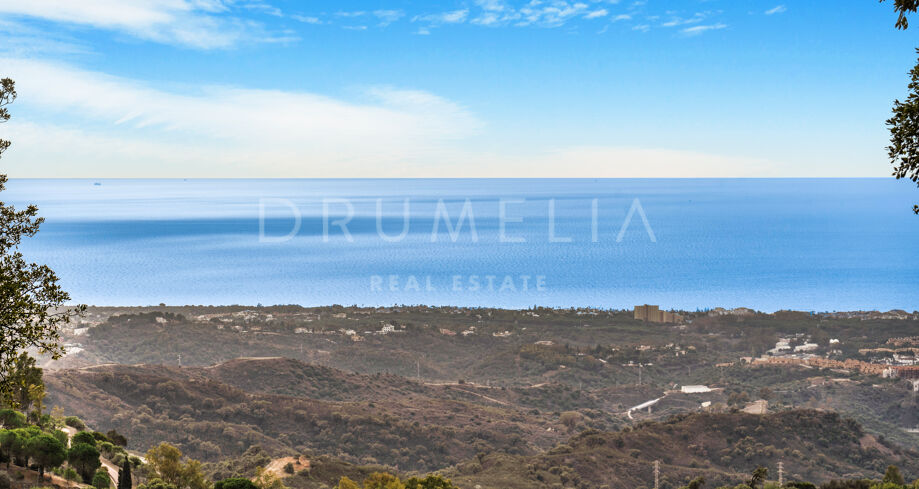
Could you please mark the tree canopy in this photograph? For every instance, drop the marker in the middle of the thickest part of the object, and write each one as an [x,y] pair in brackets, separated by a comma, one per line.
[904,124]
[164,462]
[32,303]
[235,483]
[46,451]
[85,459]
[903,7]
[904,133]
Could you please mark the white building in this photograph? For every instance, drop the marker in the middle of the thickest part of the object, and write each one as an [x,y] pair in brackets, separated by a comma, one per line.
[695,389]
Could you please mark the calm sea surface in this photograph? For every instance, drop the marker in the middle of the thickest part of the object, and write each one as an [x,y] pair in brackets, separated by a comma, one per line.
[837,244]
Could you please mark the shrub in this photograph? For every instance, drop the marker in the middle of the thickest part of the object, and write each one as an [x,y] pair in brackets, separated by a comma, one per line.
[60,436]
[5,482]
[117,438]
[84,437]
[12,419]
[234,483]
[101,480]
[100,436]
[75,422]
[289,468]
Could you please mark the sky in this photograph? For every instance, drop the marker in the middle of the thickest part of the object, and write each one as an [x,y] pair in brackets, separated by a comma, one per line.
[474,88]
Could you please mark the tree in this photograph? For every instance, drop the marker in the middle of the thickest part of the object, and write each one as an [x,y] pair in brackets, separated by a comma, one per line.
[19,449]
[193,476]
[7,96]
[117,438]
[70,474]
[124,475]
[24,386]
[264,479]
[430,482]
[164,462]
[101,479]
[346,483]
[157,484]
[893,476]
[904,133]
[84,437]
[758,477]
[696,483]
[61,437]
[235,483]
[903,7]
[8,440]
[382,480]
[11,419]
[32,303]
[85,458]
[47,452]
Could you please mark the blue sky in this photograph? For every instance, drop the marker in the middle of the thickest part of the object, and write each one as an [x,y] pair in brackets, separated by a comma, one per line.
[591,88]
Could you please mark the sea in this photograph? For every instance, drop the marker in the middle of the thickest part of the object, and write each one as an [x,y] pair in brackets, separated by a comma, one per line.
[690,244]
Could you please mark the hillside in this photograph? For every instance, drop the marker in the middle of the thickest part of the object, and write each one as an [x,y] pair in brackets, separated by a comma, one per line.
[813,445]
[212,413]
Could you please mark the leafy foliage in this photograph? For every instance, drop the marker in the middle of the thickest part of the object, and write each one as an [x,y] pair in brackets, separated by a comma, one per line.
[46,451]
[904,132]
[31,300]
[235,483]
[85,459]
[101,480]
[7,96]
[164,463]
[903,7]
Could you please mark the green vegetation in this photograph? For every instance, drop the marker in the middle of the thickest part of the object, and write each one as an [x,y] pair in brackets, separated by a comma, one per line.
[84,458]
[385,480]
[46,451]
[234,483]
[32,303]
[165,464]
[101,480]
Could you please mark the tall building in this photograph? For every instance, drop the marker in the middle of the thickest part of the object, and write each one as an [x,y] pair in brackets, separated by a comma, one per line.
[653,314]
[648,313]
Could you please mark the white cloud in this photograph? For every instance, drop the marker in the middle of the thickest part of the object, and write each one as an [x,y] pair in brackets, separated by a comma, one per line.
[597,14]
[264,8]
[553,14]
[450,17]
[117,127]
[622,17]
[201,24]
[699,29]
[678,21]
[275,131]
[778,9]
[388,16]
[641,28]
[306,19]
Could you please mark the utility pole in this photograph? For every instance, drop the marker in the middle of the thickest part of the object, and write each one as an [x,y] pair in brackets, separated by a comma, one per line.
[639,374]
[657,474]
[180,359]
[418,369]
[781,474]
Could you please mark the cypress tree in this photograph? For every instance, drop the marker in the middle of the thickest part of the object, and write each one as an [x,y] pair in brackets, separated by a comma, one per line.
[124,475]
